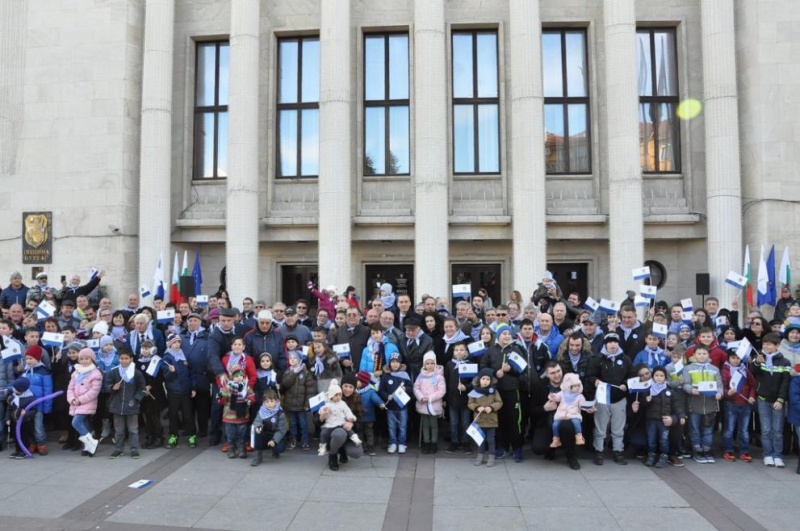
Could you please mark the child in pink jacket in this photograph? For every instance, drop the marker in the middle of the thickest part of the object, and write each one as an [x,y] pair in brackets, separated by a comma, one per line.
[84,388]
[429,389]
[570,400]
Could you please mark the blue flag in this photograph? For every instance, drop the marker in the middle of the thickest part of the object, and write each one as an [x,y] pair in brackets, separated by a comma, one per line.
[197,275]
[771,296]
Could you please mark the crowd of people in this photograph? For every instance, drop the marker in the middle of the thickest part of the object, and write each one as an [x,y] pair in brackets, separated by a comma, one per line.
[656,383]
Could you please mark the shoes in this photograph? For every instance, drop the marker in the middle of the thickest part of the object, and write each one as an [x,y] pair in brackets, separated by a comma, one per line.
[323,450]
[619,458]
[490,461]
[355,439]
[192,441]
[518,455]
[231,451]
[42,449]
[729,456]
[17,455]
[579,440]
[370,450]
[433,448]
[573,463]
[675,460]
[225,447]
[243,455]
[134,454]
[292,445]
[686,454]
[769,461]
[598,458]
[651,460]
[426,448]
[333,462]
[452,448]
[343,456]
[710,458]
[84,453]
[249,448]
[662,461]
[478,459]
[392,448]
[401,448]
[305,447]
[258,459]
[89,443]
[556,442]
[747,458]
[63,437]
[172,441]
[700,457]
[500,454]
[640,454]
[779,463]
[467,449]
[115,454]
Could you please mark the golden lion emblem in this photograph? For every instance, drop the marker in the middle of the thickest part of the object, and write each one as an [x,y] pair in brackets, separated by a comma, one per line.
[36,229]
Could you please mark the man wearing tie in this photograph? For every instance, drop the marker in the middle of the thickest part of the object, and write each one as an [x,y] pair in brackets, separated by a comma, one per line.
[415,345]
[141,331]
[355,334]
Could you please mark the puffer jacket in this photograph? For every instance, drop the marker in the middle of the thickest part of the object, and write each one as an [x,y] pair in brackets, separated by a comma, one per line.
[298,387]
[126,399]
[178,381]
[493,400]
[86,392]
[41,385]
[772,385]
[573,410]
[430,385]
[667,403]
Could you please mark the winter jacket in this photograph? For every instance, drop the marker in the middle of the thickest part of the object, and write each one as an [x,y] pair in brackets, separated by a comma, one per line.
[249,368]
[105,368]
[385,349]
[331,369]
[553,341]
[566,411]
[772,385]
[257,342]
[413,350]
[178,381]
[389,384]
[13,412]
[324,302]
[644,357]
[10,296]
[692,376]
[219,344]
[126,399]
[430,385]
[633,342]
[748,388]
[791,354]
[565,362]
[36,292]
[357,340]
[41,385]
[793,413]
[493,400]
[73,292]
[86,392]
[297,387]
[667,403]
[235,404]
[197,356]
[274,428]
[454,397]
[495,357]
[370,399]
[614,370]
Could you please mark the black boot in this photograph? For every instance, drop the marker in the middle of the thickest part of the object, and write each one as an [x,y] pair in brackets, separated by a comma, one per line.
[434,448]
[333,462]
[258,459]
[343,455]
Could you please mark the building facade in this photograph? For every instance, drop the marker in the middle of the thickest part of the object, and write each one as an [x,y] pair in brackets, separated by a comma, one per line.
[423,142]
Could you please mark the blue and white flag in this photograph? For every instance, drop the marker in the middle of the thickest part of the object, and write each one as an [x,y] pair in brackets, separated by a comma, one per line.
[476,348]
[401,397]
[678,366]
[648,292]
[462,290]
[154,367]
[52,339]
[317,401]
[641,273]
[687,305]
[603,393]
[635,385]
[474,394]
[609,306]
[707,388]
[142,483]
[588,404]
[93,273]
[744,350]
[737,381]
[342,350]
[144,291]
[591,304]
[686,317]
[468,370]
[476,433]
[12,352]
[517,361]
[165,316]
[641,302]
[736,280]
[93,344]
[660,330]
[45,310]
[202,300]
[720,321]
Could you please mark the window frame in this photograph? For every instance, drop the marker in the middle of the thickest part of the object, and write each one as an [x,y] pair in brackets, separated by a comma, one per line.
[299,106]
[677,151]
[387,103]
[201,110]
[565,101]
[475,101]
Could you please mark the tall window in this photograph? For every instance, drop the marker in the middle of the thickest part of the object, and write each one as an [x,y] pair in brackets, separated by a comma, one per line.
[298,107]
[659,136]
[211,111]
[566,102]
[476,103]
[386,104]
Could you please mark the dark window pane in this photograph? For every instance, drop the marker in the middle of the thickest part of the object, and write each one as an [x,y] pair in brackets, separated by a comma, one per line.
[375,140]
[398,140]
[204,145]
[462,65]
[310,142]
[488,139]
[206,71]
[224,69]
[487,65]
[666,77]
[576,65]
[398,67]
[288,72]
[555,157]
[222,145]
[578,138]
[374,73]
[645,66]
[551,65]
[464,139]
[310,70]
[288,143]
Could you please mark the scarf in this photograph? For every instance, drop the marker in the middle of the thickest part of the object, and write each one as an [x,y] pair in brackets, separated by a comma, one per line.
[118,332]
[656,388]
[177,354]
[29,370]
[388,300]
[480,391]
[81,372]
[574,360]
[364,389]
[270,375]
[457,362]
[629,330]
[234,359]
[568,397]
[106,358]
[770,360]
[458,337]
[610,356]
[266,413]
[654,356]
[127,374]
[16,398]
[401,374]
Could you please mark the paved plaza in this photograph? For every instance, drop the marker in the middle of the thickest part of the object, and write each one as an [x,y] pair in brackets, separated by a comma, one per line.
[202,489]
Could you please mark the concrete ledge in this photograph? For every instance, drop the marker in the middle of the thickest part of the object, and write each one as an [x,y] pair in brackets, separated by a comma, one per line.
[672,219]
[587,219]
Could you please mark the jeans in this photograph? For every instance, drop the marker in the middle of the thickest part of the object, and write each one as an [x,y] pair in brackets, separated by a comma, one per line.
[737,419]
[771,429]
[657,436]
[235,434]
[488,442]
[131,422]
[298,419]
[39,435]
[460,419]
[576,424]
[701,430]
[81,424]
[398,423]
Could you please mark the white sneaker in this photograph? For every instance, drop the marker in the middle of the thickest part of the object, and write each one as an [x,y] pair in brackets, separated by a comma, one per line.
[401,449]
[392,448]
[769,461]
[323,450]
[779,463]
[355,439]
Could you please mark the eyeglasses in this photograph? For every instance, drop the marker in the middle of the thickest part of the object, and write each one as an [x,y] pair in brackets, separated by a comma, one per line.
[301,307]
[755,323]
[501,314]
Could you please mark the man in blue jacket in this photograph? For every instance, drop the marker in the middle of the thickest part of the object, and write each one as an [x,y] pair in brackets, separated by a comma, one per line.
[194,343]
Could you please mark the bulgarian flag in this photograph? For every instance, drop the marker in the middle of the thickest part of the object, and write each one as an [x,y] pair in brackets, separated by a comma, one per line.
[785,272]
[748,273]
[184,270]
[174,291]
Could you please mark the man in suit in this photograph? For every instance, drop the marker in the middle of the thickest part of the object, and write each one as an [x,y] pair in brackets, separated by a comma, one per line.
[355,334]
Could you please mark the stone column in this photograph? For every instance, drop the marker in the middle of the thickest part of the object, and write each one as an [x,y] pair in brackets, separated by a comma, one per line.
[431,240]
[626,226]
[723,183]
[155,154]
[529,225]
[335,147]
[241,231]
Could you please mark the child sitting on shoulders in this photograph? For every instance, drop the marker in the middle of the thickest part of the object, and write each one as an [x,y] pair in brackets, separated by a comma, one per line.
[570,400]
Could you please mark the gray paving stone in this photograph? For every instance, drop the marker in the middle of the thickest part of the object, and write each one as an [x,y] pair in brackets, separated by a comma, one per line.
[351,489]
[159,508]
[376,467]
[543,470]
[59,500]
[193,480]
[594,518]
[470,493]
[478,518]
[276,513]
[610,470]
[335,515]
[264,484]
[458,469]
[643,494]
[559,493]
[661,518]
[777,519]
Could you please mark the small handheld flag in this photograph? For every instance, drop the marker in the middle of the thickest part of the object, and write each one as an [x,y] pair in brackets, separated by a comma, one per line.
[686,317]
[609,306]
[641,273]
[637,386]
[660,330]
[468,370]
[641,302]
[93,272]
[476,348]
[202,300]
[517,361]
[591,304]
[401,397]
[154,366]
[744,349]
[476,433]
[736,280]
[317,401]
[678,366]
[52,339]
[144,291]
[737,381]
[707,388]
[648,291]
[687,305]
[462,290]
[603,393]
[165,316]
[12,352]
[342,350]
[45,310]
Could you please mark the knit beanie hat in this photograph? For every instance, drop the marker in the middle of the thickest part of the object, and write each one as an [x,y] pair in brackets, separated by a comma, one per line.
[265,355]
[106,340]
[87,352]
[350,378]
[486,371]
[172,338]
[213,313]
[503,328]
[35,352]
[364,377]
[429,356]
[100,326]
[611,336]
[334,389]
[76,346]
[21,385]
